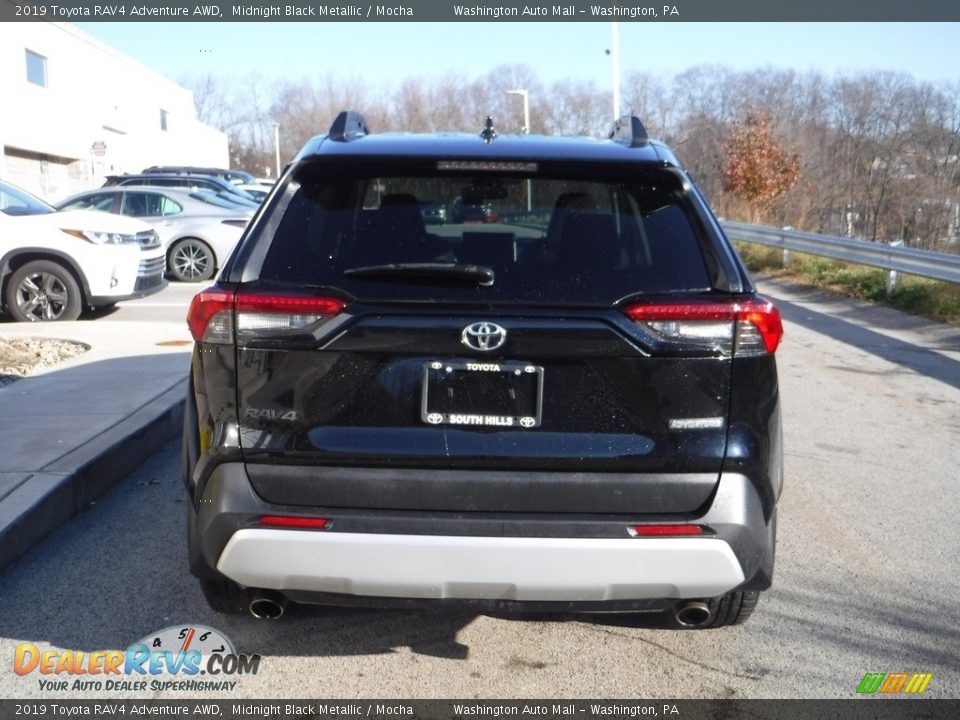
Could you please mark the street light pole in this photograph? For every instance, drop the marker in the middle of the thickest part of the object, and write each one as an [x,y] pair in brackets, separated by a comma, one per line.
[276,145]
[615,59]
[526,131]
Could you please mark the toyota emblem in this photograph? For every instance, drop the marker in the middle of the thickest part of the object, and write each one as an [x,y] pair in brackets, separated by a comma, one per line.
[483,336]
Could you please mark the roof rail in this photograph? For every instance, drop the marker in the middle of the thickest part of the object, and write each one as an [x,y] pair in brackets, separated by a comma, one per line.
[349,125]
[629,131]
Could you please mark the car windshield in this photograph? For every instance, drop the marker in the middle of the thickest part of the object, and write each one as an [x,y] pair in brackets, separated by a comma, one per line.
[220,200]
[560,232]
[239,195]
[240,178]
[14,201]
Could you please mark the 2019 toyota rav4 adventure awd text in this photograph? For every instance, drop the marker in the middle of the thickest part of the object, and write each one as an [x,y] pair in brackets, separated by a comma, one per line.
[572,407]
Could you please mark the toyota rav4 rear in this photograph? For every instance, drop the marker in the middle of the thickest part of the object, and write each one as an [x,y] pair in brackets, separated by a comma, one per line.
[571,407]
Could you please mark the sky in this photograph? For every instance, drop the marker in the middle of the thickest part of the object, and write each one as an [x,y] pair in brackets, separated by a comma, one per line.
[383,54]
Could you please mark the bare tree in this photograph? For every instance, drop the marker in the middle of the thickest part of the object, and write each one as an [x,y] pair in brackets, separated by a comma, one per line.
[577,108]
[879,152]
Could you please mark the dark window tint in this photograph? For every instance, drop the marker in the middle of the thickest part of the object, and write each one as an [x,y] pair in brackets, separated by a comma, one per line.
[548,238]
[148,205]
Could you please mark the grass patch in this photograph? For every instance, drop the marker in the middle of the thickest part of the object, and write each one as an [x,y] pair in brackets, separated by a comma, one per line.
[931,299]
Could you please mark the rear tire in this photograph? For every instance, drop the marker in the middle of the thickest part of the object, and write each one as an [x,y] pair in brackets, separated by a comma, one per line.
[225,596]
[730,609]
[222,594]
[43,291]
[733,608]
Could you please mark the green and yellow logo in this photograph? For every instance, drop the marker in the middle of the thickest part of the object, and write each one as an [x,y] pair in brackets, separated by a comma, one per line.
[893,683]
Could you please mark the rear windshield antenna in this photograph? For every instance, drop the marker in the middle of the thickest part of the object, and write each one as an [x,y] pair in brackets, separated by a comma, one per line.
[488,133]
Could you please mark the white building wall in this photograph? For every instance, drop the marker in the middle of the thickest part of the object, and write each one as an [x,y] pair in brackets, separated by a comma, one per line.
[93,95]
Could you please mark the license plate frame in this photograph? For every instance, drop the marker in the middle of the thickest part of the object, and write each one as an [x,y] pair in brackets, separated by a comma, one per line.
[520,382]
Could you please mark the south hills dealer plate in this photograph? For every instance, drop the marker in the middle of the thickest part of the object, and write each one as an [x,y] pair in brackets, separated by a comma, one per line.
[488,394]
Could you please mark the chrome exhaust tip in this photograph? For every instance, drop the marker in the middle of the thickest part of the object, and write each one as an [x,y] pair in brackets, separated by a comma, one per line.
[694,613]
[268,605]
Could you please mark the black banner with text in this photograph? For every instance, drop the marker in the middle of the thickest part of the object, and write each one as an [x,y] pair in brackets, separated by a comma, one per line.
[482,11]
[860,709]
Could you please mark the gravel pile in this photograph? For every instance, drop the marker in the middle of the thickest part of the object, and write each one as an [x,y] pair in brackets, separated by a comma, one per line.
[21,356]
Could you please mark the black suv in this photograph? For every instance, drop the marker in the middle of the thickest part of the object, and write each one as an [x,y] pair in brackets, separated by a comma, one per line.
[574,407]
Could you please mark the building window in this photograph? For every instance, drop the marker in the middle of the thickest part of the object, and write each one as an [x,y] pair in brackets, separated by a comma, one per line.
[163,120]
[36,69]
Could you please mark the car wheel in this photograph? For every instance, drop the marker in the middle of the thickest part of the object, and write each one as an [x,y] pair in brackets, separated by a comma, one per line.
[222,594]
[43,291]
[730,609]
[191,260]
[225,596]
[734,607]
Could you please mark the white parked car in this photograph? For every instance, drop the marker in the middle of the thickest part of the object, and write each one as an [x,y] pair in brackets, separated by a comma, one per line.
[54,265]
[198,229]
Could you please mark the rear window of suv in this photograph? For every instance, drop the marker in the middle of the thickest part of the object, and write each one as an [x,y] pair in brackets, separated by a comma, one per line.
[551,232]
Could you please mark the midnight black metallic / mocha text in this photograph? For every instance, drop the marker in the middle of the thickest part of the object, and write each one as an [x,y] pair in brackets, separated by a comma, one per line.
[510,371]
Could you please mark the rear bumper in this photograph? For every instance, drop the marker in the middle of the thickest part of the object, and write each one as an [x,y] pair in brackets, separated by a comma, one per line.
[406,555]
[480,568]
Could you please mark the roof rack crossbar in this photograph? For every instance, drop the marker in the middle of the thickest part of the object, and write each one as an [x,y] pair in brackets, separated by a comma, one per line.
[629,131]
[349,125]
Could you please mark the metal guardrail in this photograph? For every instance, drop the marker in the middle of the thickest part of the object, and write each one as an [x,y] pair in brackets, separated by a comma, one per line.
[925,263]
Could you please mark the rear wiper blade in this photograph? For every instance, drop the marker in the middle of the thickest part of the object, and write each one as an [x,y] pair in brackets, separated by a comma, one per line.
[426,271]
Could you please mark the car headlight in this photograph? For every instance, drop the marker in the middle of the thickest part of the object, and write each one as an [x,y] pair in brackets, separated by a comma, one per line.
[102,238]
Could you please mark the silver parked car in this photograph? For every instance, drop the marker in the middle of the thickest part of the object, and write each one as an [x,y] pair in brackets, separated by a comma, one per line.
[198,229]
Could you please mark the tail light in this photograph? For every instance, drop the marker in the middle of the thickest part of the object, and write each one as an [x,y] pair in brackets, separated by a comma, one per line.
[293,521]
[741,328]
[211,316]
[216,314]
[664,530]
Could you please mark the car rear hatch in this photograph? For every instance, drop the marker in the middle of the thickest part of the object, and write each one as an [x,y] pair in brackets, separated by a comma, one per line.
[570,358]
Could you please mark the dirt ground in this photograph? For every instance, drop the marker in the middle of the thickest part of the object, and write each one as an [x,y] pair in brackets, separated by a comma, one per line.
[20,357]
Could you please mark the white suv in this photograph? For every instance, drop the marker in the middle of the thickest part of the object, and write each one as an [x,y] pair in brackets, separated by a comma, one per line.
[53,265]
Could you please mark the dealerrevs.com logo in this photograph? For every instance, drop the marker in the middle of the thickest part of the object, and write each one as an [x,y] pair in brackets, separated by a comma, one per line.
[172,659]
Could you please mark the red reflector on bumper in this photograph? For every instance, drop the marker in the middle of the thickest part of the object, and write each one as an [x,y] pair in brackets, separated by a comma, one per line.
[664,530]
[290,521]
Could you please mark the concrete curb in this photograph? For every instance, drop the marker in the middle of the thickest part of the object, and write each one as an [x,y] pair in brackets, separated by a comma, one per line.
[71,483]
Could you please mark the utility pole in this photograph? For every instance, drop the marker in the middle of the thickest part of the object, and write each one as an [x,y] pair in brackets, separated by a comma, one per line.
[526,131]
[276,145]
[615,59]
